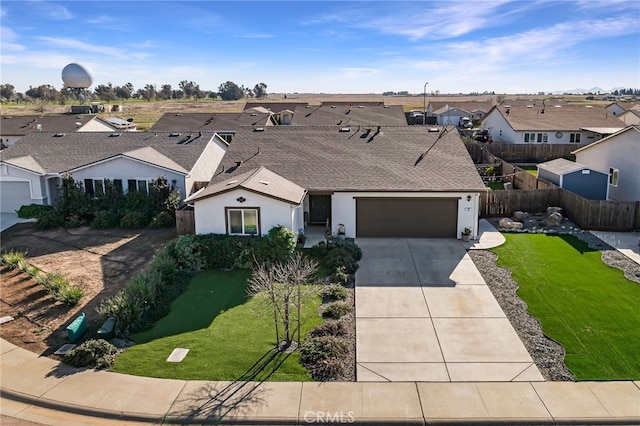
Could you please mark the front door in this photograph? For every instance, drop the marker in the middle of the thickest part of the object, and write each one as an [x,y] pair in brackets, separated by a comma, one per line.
[319,208]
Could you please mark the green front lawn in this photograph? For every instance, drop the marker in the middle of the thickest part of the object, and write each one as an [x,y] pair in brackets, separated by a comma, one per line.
[229,336]
[581,302]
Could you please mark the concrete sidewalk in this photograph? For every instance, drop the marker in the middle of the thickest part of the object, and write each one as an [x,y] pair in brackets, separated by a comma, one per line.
[40,390]
[625,242]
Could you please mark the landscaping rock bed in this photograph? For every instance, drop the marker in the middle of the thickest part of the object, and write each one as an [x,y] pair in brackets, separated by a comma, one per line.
[547,354]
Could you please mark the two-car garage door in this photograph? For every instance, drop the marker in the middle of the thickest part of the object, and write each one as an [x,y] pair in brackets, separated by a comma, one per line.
[407,217]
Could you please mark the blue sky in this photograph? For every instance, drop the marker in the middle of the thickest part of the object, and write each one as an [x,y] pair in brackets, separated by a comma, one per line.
[328,46]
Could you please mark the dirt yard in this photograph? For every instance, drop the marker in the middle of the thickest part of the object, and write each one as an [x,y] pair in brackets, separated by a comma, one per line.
[100,261]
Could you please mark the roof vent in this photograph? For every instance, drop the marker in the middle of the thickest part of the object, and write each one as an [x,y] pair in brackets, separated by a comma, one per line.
[360,106]
[345,129]
[174,135]
[265,182]
[307,106]
[258,129]
[114,135]
[433,130]
[238,163]
[178,115]
[333,106]
[59,135]
[529,106]
[6,117]
[589,106]
[386,106]
[253,114]
[557,106]
[231,182]
[39,127]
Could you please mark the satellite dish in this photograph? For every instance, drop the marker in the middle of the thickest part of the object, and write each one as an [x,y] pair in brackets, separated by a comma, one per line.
[77,76]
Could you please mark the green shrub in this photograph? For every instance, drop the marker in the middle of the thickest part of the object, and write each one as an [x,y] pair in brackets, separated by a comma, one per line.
[92,353]
[144,287]
[69,294]
[329,328]
[321,348]
[33,211]
[133,220]
[23,265]
[189,253]
[105,219]
[326,370]
[13,258]
[51,219]
[33,271]
[337,310]
[163,220]
[73,221]
[340,275]
[334,292]
[351,248]
[340,257]
[55,282]
[126,310]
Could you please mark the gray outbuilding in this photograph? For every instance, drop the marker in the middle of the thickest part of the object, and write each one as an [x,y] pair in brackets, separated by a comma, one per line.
[575,177]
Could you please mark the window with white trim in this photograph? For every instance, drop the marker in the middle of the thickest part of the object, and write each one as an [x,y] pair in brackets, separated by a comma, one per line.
[529,137]
[543,137]
[614,175]
[97,187]
[574,137]
[243,221]
[139,185]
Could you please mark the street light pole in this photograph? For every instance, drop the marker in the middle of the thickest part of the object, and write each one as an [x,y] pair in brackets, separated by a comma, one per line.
[424,111]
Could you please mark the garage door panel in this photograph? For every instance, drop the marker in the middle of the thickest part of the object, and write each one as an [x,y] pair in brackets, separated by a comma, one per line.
[14,195]
[406,217]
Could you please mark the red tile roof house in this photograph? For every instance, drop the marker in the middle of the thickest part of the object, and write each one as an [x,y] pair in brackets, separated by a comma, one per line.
[551,122]
[31,170]
[371,181]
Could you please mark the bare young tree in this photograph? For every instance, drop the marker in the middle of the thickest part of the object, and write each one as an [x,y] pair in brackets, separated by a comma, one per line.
[282,288]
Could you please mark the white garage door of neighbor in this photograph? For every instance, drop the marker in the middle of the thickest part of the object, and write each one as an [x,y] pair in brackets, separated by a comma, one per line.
[14,195]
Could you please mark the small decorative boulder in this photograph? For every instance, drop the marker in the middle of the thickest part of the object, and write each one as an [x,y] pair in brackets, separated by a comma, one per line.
[554,219]
[554,210]
[507,223]
[520,215]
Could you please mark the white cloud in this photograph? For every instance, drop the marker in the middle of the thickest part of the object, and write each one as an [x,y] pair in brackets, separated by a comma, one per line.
[255,35]
[8,40]
[80,46]
[50,10]
[357,73]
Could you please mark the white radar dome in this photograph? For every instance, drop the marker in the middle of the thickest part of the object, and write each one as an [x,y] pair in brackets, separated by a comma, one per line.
[78,76]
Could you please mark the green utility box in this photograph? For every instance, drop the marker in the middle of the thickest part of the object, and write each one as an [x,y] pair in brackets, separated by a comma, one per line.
[77,328]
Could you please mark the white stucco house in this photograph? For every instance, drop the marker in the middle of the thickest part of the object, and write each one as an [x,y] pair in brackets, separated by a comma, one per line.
[619,156]
[31,170]
[549,123]
[370,182]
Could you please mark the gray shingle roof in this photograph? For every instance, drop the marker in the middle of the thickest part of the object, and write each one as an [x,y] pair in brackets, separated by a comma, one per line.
[322,158]
[209,121]
[561,166]
[557,117]
[19,125]
[59,154]
[275,106]
[350,114]
[260,180]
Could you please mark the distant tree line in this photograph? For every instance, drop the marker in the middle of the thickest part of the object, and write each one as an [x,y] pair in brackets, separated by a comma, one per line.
[46,93]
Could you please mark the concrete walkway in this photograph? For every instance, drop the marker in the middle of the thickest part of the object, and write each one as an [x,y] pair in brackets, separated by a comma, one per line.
[38,389]
[424,313]
[625,242]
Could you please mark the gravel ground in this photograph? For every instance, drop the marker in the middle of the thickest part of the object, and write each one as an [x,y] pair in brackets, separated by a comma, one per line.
[547,354]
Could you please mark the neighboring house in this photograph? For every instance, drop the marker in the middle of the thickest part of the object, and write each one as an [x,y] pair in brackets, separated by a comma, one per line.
[630,117]
[575,177]
[450,116]
[350,114]
[31,170]
[473,109]
[619,108]
[403,181]
[224,123]
[552,123]
[619,156]
[13,128]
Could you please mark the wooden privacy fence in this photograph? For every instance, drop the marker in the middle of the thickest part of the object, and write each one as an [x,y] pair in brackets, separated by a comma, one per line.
[587,214]
[185,221]
[524,153]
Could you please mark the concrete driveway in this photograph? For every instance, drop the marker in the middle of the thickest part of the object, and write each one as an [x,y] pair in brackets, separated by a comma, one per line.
[424,313]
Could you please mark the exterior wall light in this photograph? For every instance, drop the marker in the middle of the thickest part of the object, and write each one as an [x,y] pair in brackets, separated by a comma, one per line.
[468,197]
